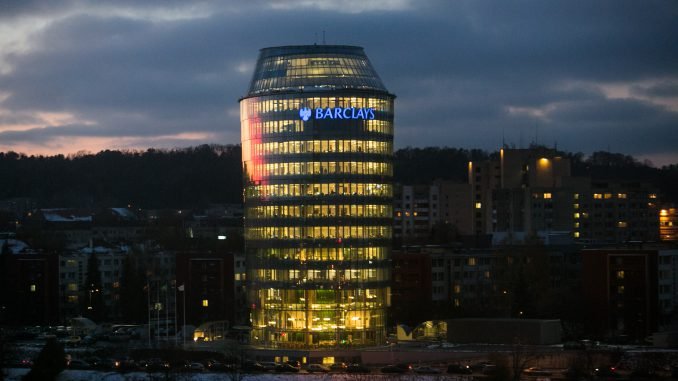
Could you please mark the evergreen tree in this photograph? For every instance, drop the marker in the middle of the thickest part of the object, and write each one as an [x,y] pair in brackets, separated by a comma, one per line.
[50,362]
[93,301]
[132,299]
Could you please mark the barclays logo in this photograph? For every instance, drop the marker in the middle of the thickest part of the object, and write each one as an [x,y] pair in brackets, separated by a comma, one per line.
[305,113]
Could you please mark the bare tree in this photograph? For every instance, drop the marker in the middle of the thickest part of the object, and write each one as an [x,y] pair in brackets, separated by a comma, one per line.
[522,357]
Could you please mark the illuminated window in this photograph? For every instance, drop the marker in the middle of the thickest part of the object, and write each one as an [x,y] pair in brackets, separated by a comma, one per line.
[620,274]
[33,288]
[328,360]
[479,205]
[576,215]
[576,234]
[72,298]
[116,284]
[576,225]
[598,195]
[457,303]
[652,195]
[487,275]
[72,287]
[472,261]
[621,224]
[457,289]
[237,276]
[621,195]
[576,196]
[608,195]
[547,195]
[576,206]
[620,289]
[205,303]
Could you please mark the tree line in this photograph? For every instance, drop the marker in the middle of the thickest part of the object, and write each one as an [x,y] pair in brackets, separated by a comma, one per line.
[207,174]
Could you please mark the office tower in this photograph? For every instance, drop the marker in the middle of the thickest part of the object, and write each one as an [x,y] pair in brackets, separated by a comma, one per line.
[317,140]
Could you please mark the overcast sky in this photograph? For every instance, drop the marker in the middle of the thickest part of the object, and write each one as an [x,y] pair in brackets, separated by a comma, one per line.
[585,75]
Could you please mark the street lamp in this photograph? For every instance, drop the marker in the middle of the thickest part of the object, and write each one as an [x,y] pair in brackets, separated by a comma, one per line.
[90,291]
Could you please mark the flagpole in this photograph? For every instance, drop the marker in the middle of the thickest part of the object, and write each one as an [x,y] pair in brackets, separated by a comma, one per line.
[166,313]
[157,312]
[183,334]
[176,326]
[148,309]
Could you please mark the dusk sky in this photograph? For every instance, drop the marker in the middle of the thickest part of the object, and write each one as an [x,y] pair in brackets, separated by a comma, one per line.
[587,75]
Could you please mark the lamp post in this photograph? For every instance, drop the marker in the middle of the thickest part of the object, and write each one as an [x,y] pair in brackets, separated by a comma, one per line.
[90,291]
[182,288]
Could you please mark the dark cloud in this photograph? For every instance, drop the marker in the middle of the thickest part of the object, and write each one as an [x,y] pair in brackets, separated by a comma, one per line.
[466,72]
[662,90]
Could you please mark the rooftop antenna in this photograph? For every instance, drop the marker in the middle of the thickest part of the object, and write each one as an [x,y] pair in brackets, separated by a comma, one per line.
[323,37]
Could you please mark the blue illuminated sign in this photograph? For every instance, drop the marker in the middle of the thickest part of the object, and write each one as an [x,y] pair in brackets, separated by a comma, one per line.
[306,113]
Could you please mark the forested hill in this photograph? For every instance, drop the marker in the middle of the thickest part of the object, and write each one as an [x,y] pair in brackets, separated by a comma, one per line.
[178,178]
[198,176]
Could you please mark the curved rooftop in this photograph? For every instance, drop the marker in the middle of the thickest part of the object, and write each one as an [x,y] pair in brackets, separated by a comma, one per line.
[309,68]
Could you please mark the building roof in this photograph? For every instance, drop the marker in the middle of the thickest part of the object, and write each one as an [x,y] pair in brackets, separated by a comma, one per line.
[313,68]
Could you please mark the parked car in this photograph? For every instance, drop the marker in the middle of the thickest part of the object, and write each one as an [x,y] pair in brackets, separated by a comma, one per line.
[269,365]
[426,370]
[253,366]
[398,368]
[196,367]
[126,364]
[157,365]
[216,366]
[78,364]
[285,367]
[607,373]
[104,364]
[73,341]
[94,362]
[459,369]
[357,368]
[338,367]
[480,366]
[534,371]
[313,368]
[294,363]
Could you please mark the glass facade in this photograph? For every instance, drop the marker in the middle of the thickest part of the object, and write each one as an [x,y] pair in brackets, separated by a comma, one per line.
[317,139]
